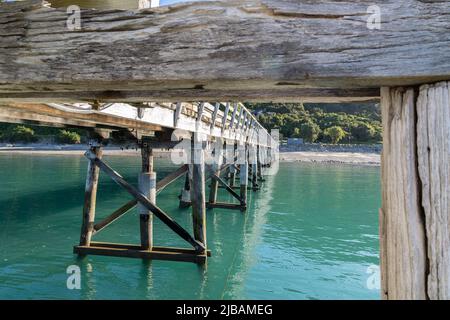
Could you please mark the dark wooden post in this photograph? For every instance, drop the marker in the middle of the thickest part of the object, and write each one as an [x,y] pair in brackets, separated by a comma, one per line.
[197,186]
[90,195]
[216,168]
[243,162]
[185,197]
[147,185]
[254,162]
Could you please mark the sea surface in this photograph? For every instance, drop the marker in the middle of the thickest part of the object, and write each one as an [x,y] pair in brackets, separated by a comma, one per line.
[310,233]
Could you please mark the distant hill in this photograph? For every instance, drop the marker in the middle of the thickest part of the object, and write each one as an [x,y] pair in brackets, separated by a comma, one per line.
[336,123]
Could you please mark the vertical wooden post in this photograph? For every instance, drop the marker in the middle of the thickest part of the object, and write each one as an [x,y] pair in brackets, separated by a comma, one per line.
[254,162]
[260,163]
[147,185]
[197,185]
[414,220]
[216,168]
[243,175]
[185,198]
[90,196]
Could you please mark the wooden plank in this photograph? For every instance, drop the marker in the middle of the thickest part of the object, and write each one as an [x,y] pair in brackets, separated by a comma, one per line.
[433,151]
[172,224]
[405,266]
[284,46]
[90,196]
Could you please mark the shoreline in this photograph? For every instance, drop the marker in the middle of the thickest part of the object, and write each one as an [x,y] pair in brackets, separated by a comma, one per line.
[327,157]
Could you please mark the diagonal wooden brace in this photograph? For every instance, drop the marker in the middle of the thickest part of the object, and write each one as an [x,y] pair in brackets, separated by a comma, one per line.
[167,220]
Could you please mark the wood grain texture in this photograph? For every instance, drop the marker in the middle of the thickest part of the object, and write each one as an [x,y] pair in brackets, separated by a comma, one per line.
[433,128]
[222,49]
[403,238]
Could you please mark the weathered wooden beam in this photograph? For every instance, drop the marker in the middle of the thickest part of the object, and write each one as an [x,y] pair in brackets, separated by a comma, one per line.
[71,116]
[414,220]
[131,251]
[231,50]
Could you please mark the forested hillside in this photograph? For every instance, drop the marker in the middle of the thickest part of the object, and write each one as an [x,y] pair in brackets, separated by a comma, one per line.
[331,123]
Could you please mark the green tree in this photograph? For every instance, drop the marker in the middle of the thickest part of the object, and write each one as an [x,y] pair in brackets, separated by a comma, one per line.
[362,131]
[20,134]
[335,134]
[309,131]
[68,137]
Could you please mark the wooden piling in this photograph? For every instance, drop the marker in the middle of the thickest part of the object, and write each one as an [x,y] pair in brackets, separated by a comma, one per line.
[254,163]
[185,197]
[147,186]
[243,175]
[90,196]
[197,187]
[414,220]
[217,165]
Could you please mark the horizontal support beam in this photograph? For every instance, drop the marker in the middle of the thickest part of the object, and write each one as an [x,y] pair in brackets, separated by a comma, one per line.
[47,114]
[259,50]
[134,251]
[288,93]
[222,205]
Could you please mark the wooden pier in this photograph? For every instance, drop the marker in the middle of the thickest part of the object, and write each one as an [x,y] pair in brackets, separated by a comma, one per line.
[244,50]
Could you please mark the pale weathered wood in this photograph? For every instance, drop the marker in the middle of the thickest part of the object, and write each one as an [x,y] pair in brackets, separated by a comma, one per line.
[230,50]
[404,261]
[90,197]
[433,149]
[147,186]
[414,221]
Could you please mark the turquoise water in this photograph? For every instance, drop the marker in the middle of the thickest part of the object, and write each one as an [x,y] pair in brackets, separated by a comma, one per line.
[310,233]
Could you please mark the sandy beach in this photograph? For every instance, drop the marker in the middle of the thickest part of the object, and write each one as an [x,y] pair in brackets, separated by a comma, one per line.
[351,158]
